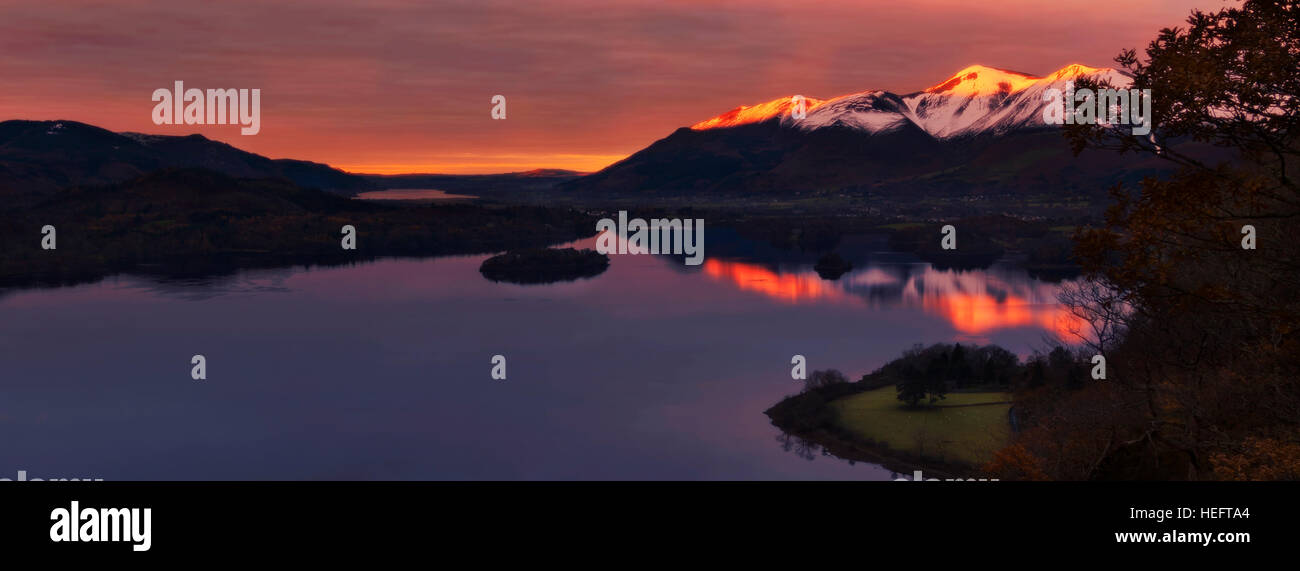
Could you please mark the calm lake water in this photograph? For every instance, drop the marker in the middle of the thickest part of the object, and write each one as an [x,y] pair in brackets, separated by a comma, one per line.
[380,370]
[411,194]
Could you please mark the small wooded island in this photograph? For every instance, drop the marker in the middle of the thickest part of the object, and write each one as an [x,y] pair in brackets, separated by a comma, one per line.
[544,265]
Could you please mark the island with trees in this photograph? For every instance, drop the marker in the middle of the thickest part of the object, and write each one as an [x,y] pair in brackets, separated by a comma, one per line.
[544,265]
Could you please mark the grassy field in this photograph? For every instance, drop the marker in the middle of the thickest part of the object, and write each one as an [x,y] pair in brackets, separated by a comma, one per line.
[947,432]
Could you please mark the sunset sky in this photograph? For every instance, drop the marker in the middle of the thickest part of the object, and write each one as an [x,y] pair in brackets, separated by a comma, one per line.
[405,86]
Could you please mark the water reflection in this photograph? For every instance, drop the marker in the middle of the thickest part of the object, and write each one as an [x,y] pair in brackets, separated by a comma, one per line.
[975,303]
[380,370]
[423,194]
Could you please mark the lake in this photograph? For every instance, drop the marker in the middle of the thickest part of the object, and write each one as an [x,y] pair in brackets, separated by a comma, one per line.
[417,194]
[381,370]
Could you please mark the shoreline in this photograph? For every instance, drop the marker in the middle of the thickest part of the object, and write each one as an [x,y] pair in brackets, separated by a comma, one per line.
[810,416]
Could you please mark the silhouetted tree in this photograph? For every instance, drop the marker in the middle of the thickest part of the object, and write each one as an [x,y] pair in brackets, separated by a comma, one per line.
[1201,335]
[824,379]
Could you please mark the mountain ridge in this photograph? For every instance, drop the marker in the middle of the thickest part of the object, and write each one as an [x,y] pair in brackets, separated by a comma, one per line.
[976,100]
[981,131]
[41,157]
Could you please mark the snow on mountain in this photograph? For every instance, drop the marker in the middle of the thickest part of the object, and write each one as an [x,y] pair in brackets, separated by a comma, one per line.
[870,111]
[746,114]
[1024,108]
[979,80]
[961,103]
[976,100]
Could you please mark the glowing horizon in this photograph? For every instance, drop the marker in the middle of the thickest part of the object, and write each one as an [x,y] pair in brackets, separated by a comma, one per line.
[578,163]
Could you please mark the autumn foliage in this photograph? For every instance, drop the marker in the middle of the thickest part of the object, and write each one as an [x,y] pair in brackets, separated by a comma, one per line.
[1203,359]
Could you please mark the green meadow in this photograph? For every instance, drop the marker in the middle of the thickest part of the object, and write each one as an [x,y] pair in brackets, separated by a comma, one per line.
[965,427]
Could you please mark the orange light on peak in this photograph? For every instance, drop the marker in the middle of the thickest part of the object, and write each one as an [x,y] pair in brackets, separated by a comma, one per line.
[1075,70]
[978,80]
[746,114]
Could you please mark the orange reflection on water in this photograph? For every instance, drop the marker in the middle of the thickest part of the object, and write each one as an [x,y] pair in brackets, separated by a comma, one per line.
[790,288]
[979,313]
[974,303]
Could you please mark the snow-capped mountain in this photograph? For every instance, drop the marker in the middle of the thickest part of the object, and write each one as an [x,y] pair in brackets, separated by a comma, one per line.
[1014,101]
[746,114]
[971,101]
[979,131]
[976,100]
[870,111]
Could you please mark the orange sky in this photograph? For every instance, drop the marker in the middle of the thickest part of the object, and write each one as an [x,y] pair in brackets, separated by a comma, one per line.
[405,86]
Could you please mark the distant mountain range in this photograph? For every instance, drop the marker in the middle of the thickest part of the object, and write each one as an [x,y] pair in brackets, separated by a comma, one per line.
[38,158]
[980,130]
[536,182]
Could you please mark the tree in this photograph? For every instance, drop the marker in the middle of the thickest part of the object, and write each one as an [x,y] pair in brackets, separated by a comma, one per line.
[925,376]
[959,369]
[1036,372]
[1201,334]
[823,379]
[911,389]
